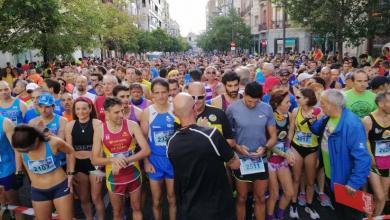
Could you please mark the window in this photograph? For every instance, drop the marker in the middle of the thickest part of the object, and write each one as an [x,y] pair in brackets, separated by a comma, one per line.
[156,8]
[143,3]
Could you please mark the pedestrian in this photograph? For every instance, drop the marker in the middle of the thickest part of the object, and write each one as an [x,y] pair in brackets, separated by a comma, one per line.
[345,155]
[198,155]
[377,125]
[50,184]
[12,108]
[251,119]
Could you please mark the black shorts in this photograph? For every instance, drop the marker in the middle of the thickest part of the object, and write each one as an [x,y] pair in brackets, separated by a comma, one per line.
[83,166]
[52,193]
[381,173]
[304,151]
[251,177]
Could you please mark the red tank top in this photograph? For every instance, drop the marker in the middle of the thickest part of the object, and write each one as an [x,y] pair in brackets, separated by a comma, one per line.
[119,144]
[99,108]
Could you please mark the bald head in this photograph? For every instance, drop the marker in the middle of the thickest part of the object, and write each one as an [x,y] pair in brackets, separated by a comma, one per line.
[182,105]
[196,88]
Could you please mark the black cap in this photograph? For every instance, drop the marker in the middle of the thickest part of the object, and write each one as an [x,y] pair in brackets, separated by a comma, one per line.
[378,81]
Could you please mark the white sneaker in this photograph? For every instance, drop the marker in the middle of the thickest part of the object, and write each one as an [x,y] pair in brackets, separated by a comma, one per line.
[294,213]
[313,213]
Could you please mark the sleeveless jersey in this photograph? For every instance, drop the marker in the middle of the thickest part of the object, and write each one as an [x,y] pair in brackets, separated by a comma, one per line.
[161,127]
[99,108]
[303,136]
[82,136]
[282,127]
[379,138]
[54,124]
[225,103]
[50,163]
[13,112]
[7,157]
[120,144]
[132,115]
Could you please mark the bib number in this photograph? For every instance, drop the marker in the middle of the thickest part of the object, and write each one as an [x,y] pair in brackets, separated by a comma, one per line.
[382,148]
[123,154]
[251,166]
[303,138]
[161,138]
[42,166]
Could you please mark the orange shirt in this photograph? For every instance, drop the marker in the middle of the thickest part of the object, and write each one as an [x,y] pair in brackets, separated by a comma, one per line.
[68,117]
[36,78]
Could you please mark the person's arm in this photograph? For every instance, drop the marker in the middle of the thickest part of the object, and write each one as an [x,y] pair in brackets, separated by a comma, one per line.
[8,127]
[367,122]
[68,132]
[64,147]
[61,130]
[224,150]
[291,129]
[356,139]
[97,158]
[145,130]
[145,150]
[23,107]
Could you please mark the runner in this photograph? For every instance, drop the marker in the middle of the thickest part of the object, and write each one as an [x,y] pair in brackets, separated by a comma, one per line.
[212,84]
[109,82]
[55,88]
[50,185]
[377,126]
[251,119]
[81,89]
[157,123]
[116,138]
[230,81]
[10,107]
[67,104]
[79,133]
[305,146]
[131,112]
[174,88]
[8,179]
[33,112]
[137,96]
[279,171]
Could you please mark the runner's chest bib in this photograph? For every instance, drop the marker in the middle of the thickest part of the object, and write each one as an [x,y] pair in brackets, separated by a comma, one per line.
[303,136]
[379,138]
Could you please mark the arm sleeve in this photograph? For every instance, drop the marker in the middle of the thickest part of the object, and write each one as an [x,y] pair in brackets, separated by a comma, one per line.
[225,151]
[360,156]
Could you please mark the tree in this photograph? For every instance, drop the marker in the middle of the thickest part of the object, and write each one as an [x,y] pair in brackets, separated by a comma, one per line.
[343,20]
[223,30]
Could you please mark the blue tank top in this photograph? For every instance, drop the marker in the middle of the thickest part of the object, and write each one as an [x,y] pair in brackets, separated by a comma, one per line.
[54,124]
[7,157]
[58,109]
[46,165]
[13,112]
[30,115]
[161,127]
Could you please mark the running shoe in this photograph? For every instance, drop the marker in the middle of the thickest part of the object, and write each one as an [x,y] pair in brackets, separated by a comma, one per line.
[324,200]
[302,199]
[294,212]
[313,213]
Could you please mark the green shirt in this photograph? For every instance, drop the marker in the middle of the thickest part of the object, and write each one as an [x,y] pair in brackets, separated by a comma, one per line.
[330,127]
[361,105]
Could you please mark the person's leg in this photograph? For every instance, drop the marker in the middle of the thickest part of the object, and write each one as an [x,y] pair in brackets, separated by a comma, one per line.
[297,172]
[135,201]
[64,207]
[83,190]
[156,189]
[117,205]
[42,209]
[259,189]
[96,194]
[310,172]
[242,193]
[386,186]
[273,188]
[284,176]
[169,183]
[379,193]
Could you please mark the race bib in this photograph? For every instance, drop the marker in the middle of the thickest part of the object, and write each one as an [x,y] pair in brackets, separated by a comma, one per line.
[123,154]
[161,138]
[251,166]
[42,166]
[382,148]
[280,146]
[303,138]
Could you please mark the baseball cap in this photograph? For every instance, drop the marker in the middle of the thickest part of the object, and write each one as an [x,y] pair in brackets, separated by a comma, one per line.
[303,76]
[31,87]
[46,99]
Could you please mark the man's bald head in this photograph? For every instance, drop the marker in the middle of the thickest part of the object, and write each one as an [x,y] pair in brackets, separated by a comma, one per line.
[196,88]
[182,105]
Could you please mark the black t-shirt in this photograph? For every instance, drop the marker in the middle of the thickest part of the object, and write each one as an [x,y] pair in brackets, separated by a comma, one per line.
[201,186]
[218,119]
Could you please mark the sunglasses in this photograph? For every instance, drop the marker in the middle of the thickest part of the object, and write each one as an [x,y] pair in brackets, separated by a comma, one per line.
[298,97]
[198,97]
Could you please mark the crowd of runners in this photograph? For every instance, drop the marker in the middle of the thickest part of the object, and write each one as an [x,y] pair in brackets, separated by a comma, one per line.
[298,123]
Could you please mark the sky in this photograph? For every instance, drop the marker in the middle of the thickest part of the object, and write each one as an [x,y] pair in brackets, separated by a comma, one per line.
[190,14]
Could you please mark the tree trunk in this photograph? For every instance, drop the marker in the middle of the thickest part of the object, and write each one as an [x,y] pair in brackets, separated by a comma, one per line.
[340,49]
[370,42]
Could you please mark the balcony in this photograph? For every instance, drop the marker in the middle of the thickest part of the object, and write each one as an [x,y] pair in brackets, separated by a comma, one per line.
[279,24]
[262,27]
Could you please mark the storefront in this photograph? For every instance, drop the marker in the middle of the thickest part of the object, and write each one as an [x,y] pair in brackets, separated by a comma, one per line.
[291,45]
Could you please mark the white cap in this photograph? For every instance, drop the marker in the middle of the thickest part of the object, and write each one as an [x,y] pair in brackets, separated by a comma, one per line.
[303,76]
[32,86]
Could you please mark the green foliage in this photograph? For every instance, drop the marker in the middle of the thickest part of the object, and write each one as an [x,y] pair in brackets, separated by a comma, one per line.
[159,40]
[223,30]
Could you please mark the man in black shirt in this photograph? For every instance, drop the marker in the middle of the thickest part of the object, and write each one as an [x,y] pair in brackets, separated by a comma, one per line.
[198,155]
